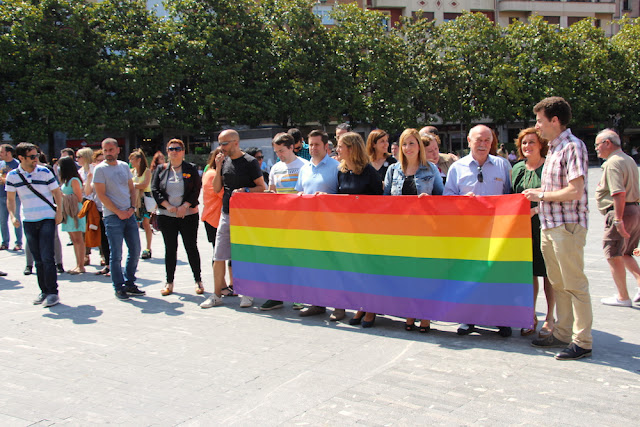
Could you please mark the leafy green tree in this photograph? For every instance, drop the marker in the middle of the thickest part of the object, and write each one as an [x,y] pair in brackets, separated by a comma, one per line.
[627,66]
[223,51]
[469,48]
[375,66]
[49,86]
[303,82]
[136,66]
[589,80]
[424,64]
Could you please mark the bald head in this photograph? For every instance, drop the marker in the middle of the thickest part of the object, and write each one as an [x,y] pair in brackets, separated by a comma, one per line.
[229,135]
[480,139]
[229,141]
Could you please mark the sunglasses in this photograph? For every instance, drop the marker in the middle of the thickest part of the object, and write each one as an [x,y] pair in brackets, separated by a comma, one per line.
[32,156]
[224,144]
[259,157]
[480,177]
[174,148]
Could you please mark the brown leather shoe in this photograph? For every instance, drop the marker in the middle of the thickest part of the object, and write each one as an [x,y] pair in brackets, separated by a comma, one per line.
[199,288]
[168,289]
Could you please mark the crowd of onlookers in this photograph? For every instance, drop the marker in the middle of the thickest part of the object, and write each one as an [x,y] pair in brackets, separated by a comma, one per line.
[103,202]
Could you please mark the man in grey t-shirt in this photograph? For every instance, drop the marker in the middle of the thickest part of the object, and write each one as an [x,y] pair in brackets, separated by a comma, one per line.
[113,183]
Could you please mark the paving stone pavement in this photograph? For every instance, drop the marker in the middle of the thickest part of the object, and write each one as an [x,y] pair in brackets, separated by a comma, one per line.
[164,361]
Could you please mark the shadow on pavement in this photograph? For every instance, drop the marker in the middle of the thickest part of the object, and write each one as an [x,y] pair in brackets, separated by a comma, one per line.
[81,315]
[150,305]
[9,285]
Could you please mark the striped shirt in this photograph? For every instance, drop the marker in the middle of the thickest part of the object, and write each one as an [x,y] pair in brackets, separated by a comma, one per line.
[285,176]
[567,160]
[44,182]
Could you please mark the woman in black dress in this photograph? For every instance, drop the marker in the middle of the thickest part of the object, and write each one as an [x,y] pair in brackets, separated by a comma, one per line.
[357,176]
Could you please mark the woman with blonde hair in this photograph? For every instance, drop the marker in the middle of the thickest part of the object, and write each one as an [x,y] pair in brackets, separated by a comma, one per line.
[146,203]
[378,151]
[84,157]
[413,175]
[532,147]
[357,176]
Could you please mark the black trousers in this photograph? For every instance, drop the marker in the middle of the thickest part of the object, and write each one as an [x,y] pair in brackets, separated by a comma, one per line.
[187,227]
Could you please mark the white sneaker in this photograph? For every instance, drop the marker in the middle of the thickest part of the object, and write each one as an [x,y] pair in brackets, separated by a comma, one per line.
[213,301]
[616,302]
[246,301]
[637,297]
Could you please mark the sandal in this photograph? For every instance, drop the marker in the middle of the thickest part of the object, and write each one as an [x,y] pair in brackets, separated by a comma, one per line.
[104,271]
[228,292]
[409,327]
[168,290]
[75,271]
[424,329]
[87,260]
[17,248]
[103,262]
[146,254]
[526,331]
[547,329]
[4,247]
[199,287]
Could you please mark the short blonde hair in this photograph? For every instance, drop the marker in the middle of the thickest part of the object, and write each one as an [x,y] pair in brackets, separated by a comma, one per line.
[358,156]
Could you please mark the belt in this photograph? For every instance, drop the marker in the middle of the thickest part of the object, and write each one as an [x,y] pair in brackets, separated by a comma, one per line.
[610,208]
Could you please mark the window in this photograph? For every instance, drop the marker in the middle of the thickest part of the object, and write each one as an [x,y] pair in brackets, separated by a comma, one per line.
[449,16]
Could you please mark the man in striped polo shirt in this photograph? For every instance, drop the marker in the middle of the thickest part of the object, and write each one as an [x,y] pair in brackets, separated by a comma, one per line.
[563,218]
[37,189]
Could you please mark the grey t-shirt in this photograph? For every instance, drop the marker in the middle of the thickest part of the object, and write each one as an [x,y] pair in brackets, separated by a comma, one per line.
[116,180]
[175,191]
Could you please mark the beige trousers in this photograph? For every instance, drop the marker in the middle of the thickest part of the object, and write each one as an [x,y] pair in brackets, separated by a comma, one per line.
[563,252]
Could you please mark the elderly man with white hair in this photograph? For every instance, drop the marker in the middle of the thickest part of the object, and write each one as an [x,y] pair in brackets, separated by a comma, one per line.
[617,196]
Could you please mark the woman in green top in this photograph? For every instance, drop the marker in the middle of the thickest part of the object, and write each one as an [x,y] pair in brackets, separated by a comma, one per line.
[532,147]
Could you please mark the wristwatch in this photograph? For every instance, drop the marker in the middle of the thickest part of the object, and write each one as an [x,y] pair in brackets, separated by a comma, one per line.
[541,195]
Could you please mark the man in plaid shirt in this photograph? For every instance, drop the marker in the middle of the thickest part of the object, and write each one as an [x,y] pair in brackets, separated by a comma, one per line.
[563,217]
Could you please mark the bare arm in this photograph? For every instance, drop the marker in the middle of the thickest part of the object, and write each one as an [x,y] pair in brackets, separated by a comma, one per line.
[618,212]
[57,197]
[573,191]
[77,189]
[217,181]
[11,207]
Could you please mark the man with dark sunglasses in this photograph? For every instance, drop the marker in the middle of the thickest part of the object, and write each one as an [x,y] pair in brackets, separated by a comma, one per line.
[479,174]
[38,189]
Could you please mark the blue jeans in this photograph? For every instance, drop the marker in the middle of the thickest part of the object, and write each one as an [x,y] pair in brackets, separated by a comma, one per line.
[4,222]
[117,231]
[40,235]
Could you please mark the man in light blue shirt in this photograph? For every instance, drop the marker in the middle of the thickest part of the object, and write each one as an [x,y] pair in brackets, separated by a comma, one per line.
[479,173]
[321,173]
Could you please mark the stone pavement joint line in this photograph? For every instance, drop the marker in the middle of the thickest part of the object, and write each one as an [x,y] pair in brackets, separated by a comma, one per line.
[163,361]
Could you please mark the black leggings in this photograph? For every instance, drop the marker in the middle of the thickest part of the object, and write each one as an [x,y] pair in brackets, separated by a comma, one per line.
[188,228]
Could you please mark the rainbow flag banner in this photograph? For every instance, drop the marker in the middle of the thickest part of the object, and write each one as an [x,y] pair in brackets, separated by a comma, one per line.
[450,258]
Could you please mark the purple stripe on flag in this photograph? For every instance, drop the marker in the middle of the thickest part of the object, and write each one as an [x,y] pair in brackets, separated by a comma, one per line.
[479,314]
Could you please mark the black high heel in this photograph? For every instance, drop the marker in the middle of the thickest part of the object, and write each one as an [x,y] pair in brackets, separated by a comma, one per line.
[367,324]
[356,320]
